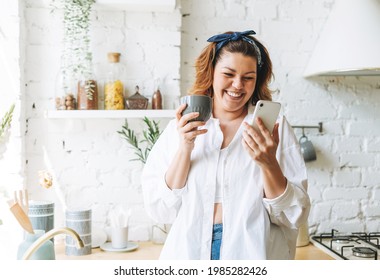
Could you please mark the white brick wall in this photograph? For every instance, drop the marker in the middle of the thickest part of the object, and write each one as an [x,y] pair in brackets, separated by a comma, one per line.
[90,160]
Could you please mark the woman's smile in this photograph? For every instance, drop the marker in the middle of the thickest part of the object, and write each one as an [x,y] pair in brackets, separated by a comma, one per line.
[235,95]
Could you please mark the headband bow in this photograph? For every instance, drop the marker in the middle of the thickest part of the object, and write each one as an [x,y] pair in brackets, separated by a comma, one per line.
[223,39]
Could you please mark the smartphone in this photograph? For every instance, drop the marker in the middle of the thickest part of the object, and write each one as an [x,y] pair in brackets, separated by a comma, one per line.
[268,111]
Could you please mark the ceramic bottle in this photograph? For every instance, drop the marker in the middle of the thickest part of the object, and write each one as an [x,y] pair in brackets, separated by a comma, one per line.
[45,252]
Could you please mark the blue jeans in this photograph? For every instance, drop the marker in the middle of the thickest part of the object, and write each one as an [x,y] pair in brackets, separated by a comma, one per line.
[216,241]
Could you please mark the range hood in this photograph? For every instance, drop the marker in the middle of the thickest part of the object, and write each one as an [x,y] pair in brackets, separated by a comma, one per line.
[349,43]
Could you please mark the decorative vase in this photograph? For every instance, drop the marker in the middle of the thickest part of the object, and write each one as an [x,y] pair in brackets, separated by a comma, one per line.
[157,100]
[45,252]
[41,215]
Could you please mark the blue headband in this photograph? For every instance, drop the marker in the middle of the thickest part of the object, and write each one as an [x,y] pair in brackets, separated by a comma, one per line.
[223,39]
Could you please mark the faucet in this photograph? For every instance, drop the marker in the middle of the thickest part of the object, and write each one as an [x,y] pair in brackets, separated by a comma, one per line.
[49,235]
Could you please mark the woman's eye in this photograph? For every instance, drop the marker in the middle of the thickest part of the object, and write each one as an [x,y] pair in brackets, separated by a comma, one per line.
[248,78]
[228,74]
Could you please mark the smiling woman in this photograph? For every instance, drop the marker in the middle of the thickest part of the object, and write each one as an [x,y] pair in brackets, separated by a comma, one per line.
[192,180]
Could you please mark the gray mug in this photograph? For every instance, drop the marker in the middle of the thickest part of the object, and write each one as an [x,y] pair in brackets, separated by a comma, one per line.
[307,149]
[197,103]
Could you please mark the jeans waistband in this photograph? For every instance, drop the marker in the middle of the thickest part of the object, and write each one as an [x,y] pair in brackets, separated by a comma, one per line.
[217,231]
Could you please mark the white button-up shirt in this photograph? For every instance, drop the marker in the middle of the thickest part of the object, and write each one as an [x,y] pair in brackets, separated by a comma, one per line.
[253,227]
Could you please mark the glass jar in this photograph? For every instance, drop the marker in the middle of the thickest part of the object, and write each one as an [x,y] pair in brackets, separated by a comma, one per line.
[87,93]
[65,91]
[137,101]
[114,87]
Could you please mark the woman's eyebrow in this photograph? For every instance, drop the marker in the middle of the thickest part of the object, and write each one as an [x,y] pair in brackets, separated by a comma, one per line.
[233,70]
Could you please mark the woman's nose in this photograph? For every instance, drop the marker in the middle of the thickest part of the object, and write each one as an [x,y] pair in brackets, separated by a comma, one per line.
[237,83]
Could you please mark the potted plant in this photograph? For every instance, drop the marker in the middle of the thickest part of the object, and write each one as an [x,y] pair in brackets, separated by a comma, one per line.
[76,61]
[150,137]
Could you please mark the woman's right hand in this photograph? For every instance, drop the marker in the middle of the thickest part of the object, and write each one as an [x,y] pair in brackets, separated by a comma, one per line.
[188,130]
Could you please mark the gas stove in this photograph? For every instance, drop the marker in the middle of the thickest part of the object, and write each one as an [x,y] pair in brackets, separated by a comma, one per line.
[349,246]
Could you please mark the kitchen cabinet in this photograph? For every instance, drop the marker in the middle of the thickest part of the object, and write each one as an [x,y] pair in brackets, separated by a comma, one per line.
[108,114]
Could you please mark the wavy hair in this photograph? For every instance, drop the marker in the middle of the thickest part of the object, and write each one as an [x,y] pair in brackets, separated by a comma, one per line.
[206,61]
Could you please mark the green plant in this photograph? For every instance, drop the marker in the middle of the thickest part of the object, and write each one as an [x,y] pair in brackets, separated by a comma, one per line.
[150,137]
[76,57]
[6,120]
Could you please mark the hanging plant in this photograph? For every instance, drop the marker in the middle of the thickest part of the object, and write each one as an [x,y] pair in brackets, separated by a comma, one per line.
[76,59]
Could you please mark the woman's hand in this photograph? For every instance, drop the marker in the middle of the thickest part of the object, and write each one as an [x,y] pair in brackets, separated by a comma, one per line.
[178,170]
[261,145]
[188,130]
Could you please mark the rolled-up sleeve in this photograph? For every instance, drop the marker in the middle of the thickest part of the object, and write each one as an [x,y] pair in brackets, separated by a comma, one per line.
[291,208]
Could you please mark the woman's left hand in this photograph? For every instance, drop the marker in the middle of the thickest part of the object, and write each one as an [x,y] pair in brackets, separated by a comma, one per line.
[261,145]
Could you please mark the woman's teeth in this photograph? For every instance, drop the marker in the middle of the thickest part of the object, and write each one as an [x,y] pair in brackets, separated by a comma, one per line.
[234,94]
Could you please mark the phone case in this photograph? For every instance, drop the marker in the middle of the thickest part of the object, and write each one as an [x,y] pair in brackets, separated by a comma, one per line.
[268,111]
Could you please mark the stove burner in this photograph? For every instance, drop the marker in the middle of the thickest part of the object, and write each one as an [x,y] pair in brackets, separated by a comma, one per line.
[363,252]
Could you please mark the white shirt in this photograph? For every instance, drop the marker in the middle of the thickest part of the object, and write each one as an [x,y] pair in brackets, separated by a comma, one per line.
[220,175]
[253,227]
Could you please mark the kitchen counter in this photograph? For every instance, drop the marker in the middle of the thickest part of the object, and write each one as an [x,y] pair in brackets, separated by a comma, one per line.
[310,252]
[151,251]
[145,251]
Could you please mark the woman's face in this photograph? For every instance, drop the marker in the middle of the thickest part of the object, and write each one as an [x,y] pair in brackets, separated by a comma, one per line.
[234,81]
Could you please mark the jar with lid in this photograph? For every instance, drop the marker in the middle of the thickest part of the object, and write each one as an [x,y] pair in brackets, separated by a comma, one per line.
[114,86]
[137,101]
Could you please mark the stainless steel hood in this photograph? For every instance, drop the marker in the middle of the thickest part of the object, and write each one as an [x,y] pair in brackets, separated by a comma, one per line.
[349,43]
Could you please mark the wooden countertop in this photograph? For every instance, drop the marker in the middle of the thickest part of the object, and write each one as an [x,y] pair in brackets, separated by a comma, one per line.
[151,251]
[310,252]
[145,251]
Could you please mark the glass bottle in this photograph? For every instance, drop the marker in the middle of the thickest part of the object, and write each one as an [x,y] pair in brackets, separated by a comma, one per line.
[114,87]
[157,99]
[87,94]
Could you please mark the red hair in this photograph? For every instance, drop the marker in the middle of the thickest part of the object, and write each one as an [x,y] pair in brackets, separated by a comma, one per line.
[205,66]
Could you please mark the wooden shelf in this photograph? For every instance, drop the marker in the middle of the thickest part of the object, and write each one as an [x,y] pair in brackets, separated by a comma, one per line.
[108,114]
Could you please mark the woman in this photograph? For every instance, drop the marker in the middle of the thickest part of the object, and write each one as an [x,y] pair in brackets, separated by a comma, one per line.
[229,191]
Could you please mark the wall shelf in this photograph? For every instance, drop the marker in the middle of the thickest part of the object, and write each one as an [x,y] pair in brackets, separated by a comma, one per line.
[108,114]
